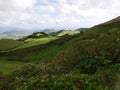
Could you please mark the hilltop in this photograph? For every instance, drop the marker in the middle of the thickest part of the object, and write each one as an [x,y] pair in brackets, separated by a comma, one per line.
[103,28]
[66,32]
[115,20]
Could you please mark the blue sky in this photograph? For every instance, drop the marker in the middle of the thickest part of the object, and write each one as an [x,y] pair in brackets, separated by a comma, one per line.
[56,14]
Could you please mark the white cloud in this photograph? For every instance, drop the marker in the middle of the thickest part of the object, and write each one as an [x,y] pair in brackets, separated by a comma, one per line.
[12,5]
[57,13]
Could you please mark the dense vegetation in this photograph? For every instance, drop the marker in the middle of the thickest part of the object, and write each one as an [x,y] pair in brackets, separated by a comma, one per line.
[86,61]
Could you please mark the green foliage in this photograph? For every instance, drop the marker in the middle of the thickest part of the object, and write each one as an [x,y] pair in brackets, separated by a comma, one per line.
[89,66]
[27,80]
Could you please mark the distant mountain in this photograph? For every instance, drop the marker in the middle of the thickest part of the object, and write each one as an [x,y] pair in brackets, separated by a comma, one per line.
[81,29]
[4,29]
[14,34]
[38,35]
[49,31]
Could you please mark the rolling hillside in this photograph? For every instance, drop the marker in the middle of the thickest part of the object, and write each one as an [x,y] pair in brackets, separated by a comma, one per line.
[66,32]
[115,20]
[34,52]
[29,42]
[100,29]
[7,66]
[85,61]
[6,44]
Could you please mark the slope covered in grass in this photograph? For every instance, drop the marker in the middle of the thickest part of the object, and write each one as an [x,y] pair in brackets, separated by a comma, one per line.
[36,41]
[43,52]
[39,56]
[105,27]
[68,32]
[47,54]
[6,44]
[7,67]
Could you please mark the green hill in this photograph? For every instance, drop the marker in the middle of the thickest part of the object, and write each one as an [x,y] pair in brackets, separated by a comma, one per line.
[40,52]
[34,52]
[67,32]
[6,44]
[34,39]
[101,29]
[29,42]
[37,35]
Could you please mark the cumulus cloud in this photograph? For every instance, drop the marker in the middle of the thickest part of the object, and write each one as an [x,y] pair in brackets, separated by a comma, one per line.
[67,14]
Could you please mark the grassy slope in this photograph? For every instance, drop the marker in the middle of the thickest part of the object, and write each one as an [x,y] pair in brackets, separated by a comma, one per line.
[6,44]
[69,32]
[48,54]
[44,55]
[33,42]
[7,66]
[103,28]
[9,44]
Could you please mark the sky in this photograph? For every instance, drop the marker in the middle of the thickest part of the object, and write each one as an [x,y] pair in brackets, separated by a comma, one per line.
[56,14]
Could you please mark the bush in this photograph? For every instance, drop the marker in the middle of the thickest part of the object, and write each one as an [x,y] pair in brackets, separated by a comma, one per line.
[89,66]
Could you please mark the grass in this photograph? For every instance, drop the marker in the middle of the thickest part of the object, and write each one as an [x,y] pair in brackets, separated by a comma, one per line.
[48,54]
[6,44]
[69,32]
[102,29]
[45,55]
[36,41]
[7,67]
